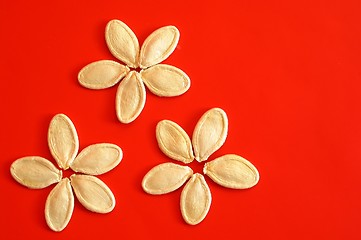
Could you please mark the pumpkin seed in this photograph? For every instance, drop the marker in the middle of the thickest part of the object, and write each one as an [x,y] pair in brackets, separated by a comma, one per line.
[63,140]
[174,141]
[158,46]
[122,42]
[93,193]
[165,178]
[59,206]
[232,171]
[35,172]
[102,74]
[165,80]
[97,159]
[210,133]
[195,200]
[130,98]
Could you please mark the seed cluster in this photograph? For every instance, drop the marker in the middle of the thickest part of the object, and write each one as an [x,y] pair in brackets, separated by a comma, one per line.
[231,171]
[37,172]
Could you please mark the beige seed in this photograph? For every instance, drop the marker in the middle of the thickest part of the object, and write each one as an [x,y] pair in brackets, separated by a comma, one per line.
[165,80]
[195,200]
[174,141]
[130,98]
[102,74]
[92,193]
[59,206]
[63,140]
[158,46]
[232,171]
[97,159]
[35,172]
[210,133]
[165,178]
[122,42]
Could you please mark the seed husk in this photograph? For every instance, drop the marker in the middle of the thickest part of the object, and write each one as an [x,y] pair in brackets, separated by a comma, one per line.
[165,80]
[130,99]
[59,206]
[210,133]
[63,140]
[195,200]
[122,42]
[165,178]
[102,74]
[158,46]
[97,159]
[93,193]
[232,171]
[35,172]
[174,141]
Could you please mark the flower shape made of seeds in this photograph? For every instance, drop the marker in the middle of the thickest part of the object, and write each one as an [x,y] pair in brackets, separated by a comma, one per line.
[231,171]
[161,79]
[37,172]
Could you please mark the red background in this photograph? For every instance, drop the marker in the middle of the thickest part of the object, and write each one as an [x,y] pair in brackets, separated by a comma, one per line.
[287,73]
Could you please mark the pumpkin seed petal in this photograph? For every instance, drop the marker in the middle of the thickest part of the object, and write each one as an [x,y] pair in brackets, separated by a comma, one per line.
[174,141]
[122,42]
[35,172]
[102,74]
[93,193]
[210,133]
[165,80]
[97,159]
[165,178]
[63,140]
[130,99]
[196,200]
[59,206]
[232,171]
[158,46]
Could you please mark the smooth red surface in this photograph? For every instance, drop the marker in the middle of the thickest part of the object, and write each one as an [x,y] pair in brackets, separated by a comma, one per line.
[288,74]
